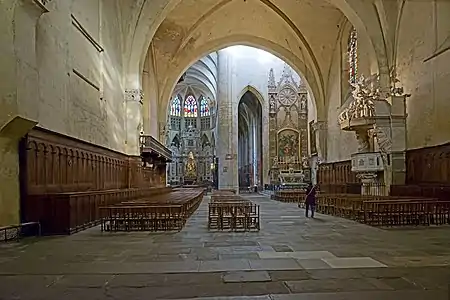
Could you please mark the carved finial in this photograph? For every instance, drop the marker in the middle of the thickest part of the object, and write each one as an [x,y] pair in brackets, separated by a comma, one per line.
[271,79]
[287,71]
[287,76]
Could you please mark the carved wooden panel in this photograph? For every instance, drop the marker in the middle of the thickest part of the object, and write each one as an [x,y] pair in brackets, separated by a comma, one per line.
[65,180]
[428,165]
[336,173]
[54,163]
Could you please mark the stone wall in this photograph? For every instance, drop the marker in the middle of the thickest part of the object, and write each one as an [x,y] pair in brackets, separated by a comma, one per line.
[62,69]
[340,144]
[80,65]
[423,57]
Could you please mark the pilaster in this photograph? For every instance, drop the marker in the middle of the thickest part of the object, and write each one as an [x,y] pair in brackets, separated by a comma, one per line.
[227,136]
[320,128]
[133,102]
[18,94]
[398,133]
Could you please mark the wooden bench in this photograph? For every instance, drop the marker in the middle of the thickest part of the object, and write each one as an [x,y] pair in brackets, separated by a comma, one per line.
[407,212]
[14,232]
[166,212]
[385,210]
[231,212]
[289,196]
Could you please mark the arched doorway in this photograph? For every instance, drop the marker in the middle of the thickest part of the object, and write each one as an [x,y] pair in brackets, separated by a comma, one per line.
[249,141]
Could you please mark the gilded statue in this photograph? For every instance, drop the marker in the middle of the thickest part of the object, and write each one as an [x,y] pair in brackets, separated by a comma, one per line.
[191,168]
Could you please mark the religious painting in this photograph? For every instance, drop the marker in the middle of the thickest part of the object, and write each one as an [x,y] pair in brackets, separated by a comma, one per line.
[288,143]
[312,138]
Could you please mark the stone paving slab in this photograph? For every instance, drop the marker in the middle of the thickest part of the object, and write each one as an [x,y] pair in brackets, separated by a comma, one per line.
[282,248]
[274,264]
[265,297]
[297,254]
[332,285]
[313,264]
[372,295]
[249,276]
[249,255]
[289,275]
[230,244]
[326,254]
[353,262]
[225,265]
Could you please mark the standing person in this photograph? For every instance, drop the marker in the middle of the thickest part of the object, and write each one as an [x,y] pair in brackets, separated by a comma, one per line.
[310,200]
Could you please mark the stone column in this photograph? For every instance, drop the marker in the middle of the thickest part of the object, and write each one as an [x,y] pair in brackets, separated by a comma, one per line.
[19,92]
[321,140]
[227,138]
[133,103]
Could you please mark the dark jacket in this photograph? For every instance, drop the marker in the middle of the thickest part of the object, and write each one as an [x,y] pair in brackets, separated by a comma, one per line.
[311,195]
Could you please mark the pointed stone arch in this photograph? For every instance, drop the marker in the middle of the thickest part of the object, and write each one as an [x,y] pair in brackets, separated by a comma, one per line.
[254,91]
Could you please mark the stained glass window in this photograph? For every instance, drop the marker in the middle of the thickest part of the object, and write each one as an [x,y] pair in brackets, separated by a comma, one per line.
[353,56]
[204,107]
[190,107]
[175,107]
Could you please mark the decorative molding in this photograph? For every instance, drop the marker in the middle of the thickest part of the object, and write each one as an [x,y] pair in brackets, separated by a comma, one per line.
[367,177]
[134,95]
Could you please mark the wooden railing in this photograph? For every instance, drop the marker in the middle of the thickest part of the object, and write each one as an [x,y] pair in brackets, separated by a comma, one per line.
[150,144]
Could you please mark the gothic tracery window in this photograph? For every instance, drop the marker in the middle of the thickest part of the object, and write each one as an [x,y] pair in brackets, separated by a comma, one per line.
[175,107]
[353,56]
[204,107]
[190,107]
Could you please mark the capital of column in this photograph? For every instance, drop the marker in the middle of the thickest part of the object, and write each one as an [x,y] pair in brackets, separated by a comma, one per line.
[134,95]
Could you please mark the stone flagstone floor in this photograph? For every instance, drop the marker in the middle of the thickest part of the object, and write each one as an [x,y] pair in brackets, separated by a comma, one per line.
[292,257]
